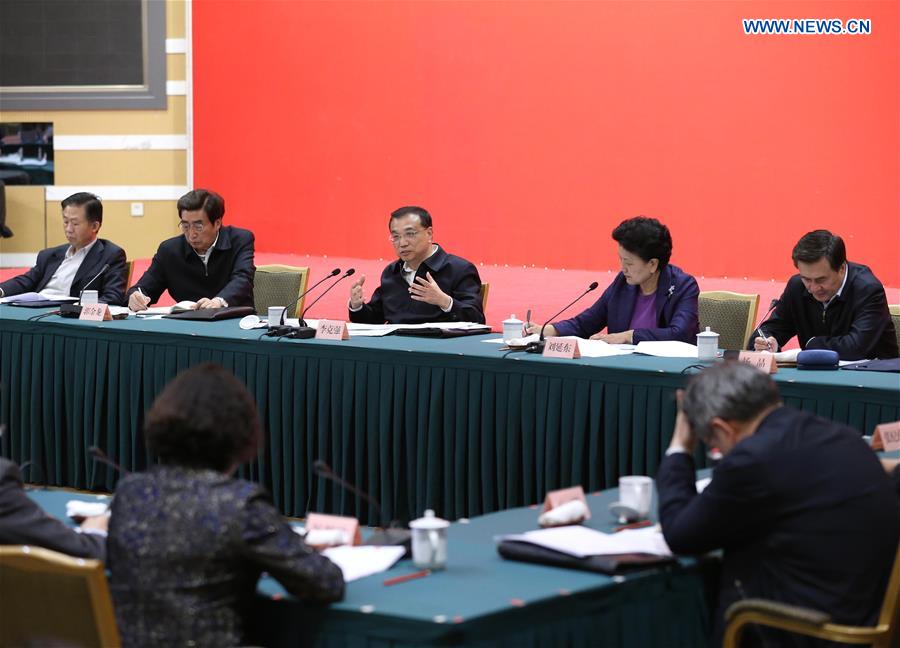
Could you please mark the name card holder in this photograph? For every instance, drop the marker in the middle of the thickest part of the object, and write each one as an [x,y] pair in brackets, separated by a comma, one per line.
[561,347]
[886,437]
[559,497]
[348,525]
[95,313]
[762,361]
[332,330]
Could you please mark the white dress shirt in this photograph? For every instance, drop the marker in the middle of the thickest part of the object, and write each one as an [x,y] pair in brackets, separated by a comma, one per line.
[60,284]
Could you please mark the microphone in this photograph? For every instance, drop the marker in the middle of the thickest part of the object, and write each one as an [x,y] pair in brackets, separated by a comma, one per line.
[538,347]
[772,306]
[305,332]
[74,310]
[102,457]
[390,535]
[281,329]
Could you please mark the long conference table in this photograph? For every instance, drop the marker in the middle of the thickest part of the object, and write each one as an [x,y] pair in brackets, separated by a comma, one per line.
[480,599]
[448,424]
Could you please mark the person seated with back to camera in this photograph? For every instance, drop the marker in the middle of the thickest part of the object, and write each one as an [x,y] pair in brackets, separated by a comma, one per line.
[187,541]
[650,299]
[426,284]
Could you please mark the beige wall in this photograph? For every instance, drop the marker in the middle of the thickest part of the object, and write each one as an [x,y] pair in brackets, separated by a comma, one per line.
[37,223]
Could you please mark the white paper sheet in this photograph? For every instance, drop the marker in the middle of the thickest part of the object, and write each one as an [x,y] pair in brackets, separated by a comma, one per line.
[580,541]
[362,561]
[666,349]
[601,349]
[35,297]
[81,509]
[701,484]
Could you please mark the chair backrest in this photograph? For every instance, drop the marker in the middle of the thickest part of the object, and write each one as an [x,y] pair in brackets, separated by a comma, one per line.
[731,315]
[279,285]
[49,598]
[129,266]
[895,318]
[485,289]
[889,618]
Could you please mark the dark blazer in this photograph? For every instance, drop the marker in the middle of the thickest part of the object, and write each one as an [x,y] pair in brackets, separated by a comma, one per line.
[23,522]
[391,301]
[857,324]
[178,269]
[804,511]
[110,286]
[676,310]
[186,548]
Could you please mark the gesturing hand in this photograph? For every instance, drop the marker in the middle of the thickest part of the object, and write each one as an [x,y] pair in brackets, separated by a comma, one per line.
[426,289]
[356,293]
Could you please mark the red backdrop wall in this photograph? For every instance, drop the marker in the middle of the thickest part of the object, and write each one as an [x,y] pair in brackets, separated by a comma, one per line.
[530,129]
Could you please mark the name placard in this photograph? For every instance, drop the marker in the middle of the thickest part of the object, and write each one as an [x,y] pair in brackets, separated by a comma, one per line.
[886,437]
[563,495]
[332,330]
[95,313]
[349,525]
[561,347]
[762,361]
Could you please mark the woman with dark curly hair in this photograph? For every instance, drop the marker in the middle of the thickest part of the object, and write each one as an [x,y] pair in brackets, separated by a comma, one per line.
[650,299]
[187,541]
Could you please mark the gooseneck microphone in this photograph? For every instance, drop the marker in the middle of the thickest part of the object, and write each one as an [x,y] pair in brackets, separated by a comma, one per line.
[306,332]
[390,534]
[772,307]
[102,457]
[538,347]
[74,310]
[96,276]
[281,329]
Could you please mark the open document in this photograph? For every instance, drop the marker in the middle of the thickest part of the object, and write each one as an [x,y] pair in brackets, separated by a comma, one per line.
[580,541]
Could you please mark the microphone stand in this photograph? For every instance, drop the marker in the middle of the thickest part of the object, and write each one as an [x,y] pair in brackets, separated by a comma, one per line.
[538,347]
[305,332]
[281,329]
[387,535]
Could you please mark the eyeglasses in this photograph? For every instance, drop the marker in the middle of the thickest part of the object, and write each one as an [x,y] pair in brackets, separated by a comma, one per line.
[409,235]
[185,226]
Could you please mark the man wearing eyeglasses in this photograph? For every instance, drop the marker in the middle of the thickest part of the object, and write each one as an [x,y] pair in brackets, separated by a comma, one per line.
[424,285]
[210,264]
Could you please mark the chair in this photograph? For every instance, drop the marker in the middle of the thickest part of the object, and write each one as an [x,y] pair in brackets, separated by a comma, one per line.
[814,623]
[729,314]
[279,285]
[129,266]
[485,289]
[895,318]
[53,599]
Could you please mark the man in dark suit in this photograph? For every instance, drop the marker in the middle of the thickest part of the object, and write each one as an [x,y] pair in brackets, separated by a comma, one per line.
[424,285]
[210,264]
[23,522]
[830,303]
[804,511]
[68,269]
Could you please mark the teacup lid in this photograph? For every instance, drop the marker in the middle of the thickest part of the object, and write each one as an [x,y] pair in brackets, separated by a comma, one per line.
[708,333]
[429,522]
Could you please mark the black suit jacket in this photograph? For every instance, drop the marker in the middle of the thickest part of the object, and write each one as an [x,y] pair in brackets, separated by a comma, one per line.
[110,286]
[857,324]
[178,269]
[186,548]
[391,301]
[804,511]
[23,522]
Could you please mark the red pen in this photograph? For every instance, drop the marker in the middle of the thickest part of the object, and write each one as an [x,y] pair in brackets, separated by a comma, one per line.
[633,525]
[407,577]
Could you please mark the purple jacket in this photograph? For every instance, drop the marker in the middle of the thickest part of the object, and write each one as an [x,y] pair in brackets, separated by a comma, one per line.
[676,310]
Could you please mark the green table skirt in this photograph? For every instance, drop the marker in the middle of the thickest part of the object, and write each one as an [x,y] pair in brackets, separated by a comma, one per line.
[443,424]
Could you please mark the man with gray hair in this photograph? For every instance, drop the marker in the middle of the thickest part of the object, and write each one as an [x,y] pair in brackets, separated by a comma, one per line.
[801,505]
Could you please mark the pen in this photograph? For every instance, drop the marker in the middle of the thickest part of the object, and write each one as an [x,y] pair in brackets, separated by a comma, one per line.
[763,336]
[633,525]
[407,577]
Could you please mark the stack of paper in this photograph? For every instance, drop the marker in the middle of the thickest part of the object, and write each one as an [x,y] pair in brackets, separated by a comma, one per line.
[667,349]
[580,541]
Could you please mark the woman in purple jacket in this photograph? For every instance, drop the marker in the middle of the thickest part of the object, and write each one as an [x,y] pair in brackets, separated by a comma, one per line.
[648,300]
